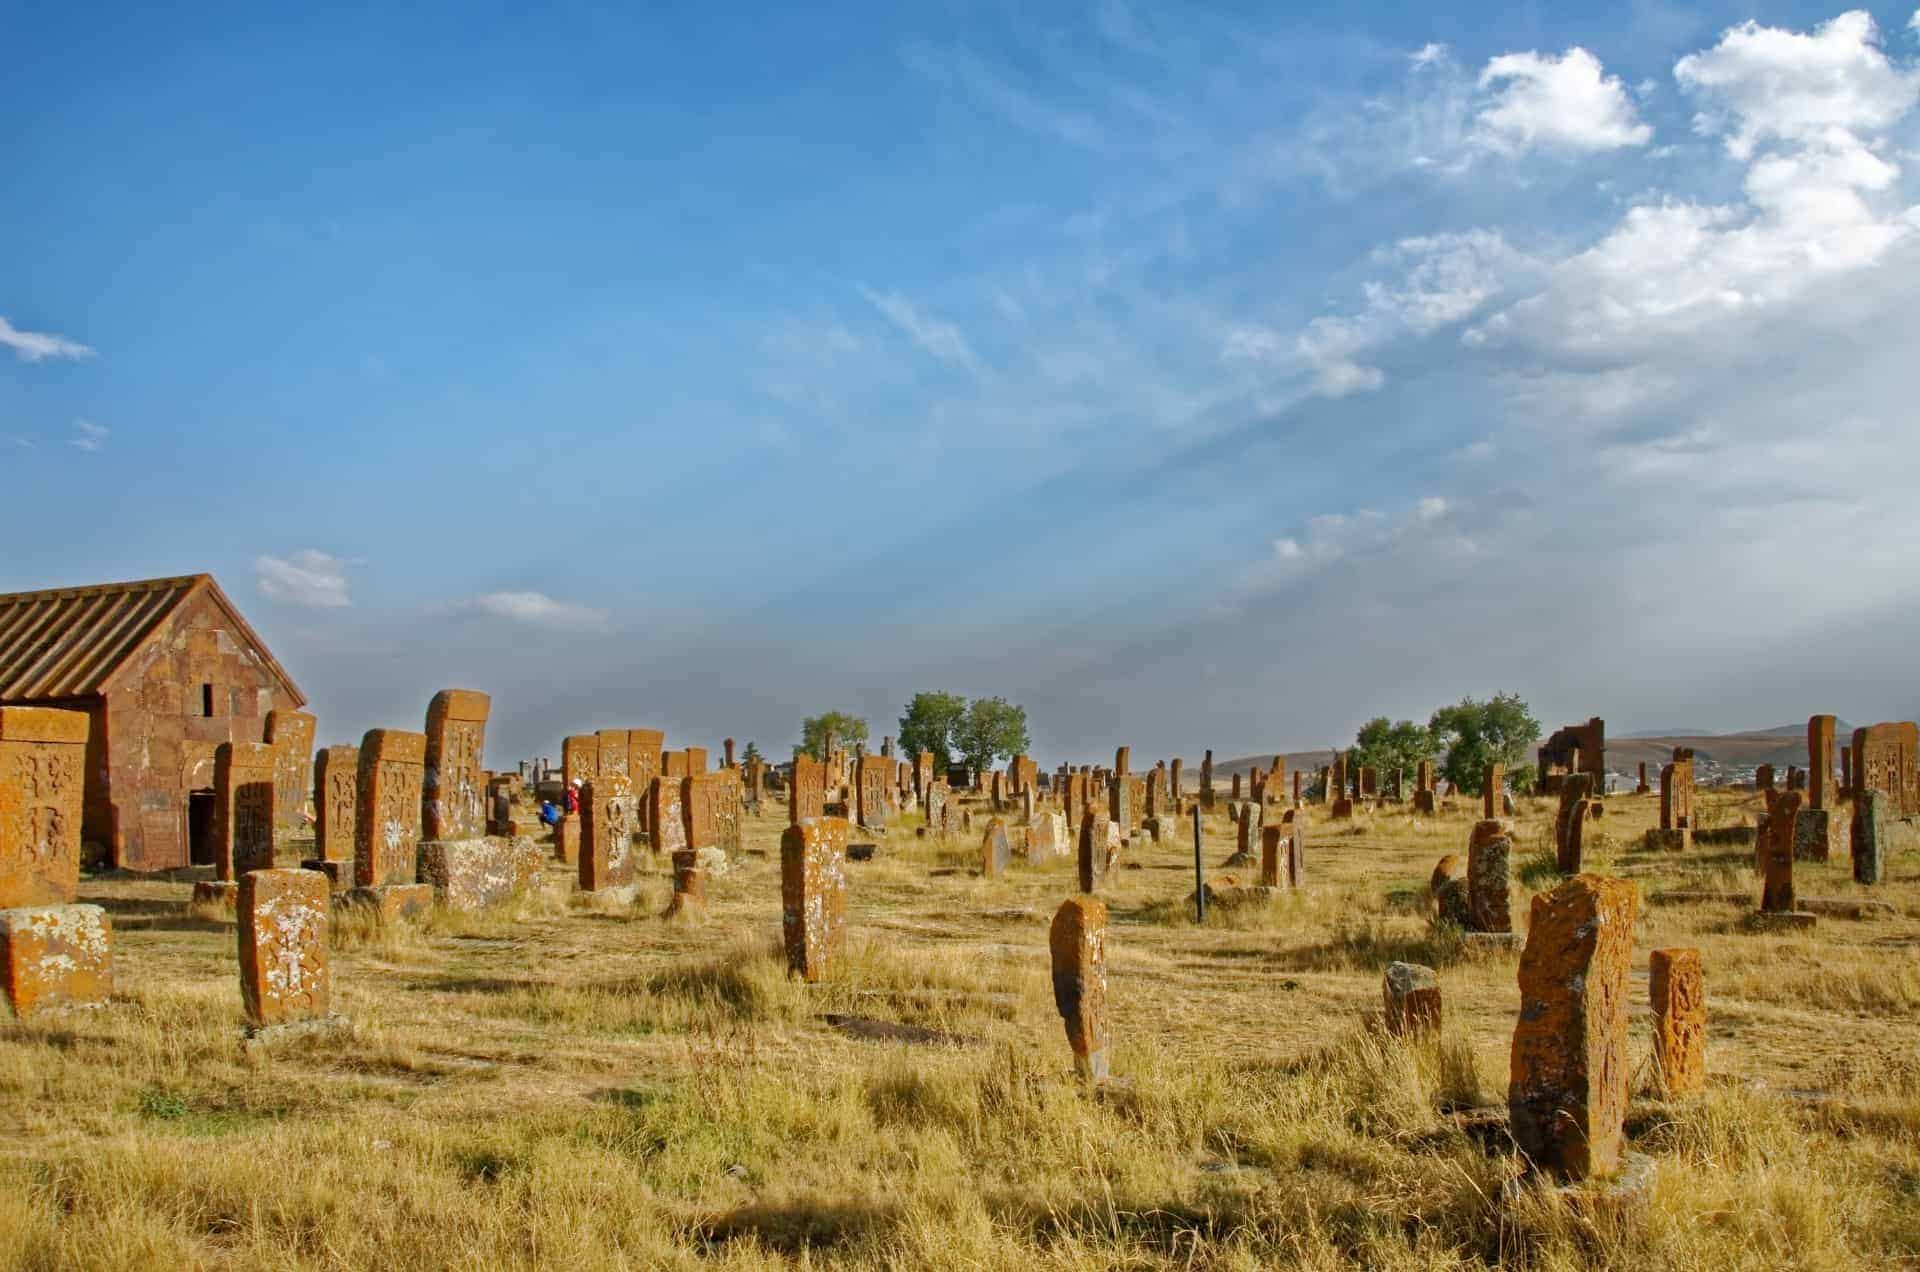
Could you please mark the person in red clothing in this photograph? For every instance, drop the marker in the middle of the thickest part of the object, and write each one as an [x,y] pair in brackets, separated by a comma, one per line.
[573,796]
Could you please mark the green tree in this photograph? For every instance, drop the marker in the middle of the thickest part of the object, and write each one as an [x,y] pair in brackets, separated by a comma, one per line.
[992,728]
[932,723]
[1476,734]
[751,754]
[847,730]
[1384,746]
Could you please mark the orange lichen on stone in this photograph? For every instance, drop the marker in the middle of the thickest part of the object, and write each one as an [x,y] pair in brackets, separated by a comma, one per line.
[42,763]
[386,828]
[1078,943]
[56,955]
[607,825]
[284,916]
[813,894]
[1567,1093]
[1679,994]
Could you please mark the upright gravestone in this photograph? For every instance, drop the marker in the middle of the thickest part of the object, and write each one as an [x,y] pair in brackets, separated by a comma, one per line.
[290,734]
[808,799]
[52,953]
[1570,823]
[284,916]
[1099,847]
[1489,861]
[1412,1000]
[1078,944]
[1206,782]
[1777,903]
[43,754]
[872,790]
[937,810]
[386,828]
[1679,995]
[1884,759]
[996,851]
[336,778]
[813,895]
[1493,784]
[1567,1094]
[669,833]
[243,808]
[646,749]
[579,758]
[452,800]
[1869,836]
[607,826]
[699,810]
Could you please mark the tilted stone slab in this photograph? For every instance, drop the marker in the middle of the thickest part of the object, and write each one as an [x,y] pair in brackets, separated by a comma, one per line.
[1077,942]
[55,956]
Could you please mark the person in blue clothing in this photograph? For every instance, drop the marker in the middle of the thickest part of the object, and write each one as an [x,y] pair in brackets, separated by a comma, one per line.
[549,815]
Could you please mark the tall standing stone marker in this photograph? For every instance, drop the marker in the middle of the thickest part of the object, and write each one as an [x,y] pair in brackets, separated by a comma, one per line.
[290,734]
[813,895]
[607,824]
[42,767]
[452,792]
[336,778]
[1567,1093]
[386,829]
[1078,943]
[243,808]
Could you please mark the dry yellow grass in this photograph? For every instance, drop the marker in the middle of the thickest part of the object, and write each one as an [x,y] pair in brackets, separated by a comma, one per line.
[573,1087]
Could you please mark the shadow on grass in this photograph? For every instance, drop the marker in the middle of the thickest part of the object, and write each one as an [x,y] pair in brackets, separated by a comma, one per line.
[796,1228]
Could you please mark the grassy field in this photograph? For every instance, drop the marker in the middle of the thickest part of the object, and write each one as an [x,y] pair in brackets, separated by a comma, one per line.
[572,1087]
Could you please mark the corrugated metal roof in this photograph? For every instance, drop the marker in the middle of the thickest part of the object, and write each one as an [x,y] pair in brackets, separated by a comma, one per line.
[68,642]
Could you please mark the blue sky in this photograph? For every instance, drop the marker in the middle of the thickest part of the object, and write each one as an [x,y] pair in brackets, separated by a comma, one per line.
[1198,376]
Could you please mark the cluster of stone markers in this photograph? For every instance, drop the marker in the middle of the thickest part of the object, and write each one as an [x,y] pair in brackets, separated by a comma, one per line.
[402,822]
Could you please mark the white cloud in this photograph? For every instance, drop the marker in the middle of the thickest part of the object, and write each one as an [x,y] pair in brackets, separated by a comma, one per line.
[1563,103]
[34,346]
[1427,55]
[1431,508]
[89,436]
[1764,83]
[1805,112]
[936,337]
[536,609]
[311,578]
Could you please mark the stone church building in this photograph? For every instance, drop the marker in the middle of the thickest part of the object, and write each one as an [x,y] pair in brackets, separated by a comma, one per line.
[167,670]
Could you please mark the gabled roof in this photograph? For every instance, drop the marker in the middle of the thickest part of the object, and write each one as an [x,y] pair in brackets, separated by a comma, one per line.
[69,642]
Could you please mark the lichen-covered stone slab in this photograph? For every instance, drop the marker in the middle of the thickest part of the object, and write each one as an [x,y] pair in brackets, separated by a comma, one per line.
[284,917]
[607,826]
[1099,849]
[1567,1088]
[470,874]
[1489,861]
[386,839]
[452,794]
[1448,887]
[1776,854]
[336,776]
[244,798]
[813,894]
[394,903]
[1411,993]
[566,839]
[55,956]
[290,734]
[1679,993]
[807,800]
[996,849]
[1868,835]
[689,886]
[1078,944]
[1046,837]
[42,769]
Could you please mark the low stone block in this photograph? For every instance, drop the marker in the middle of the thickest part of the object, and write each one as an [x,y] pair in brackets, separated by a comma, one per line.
[1678,840]
[55,956]
[1812,833]
[566,839]
[689,887]
[394,903]
[1412,995]
[284,917]
[469,874]
[1452,903]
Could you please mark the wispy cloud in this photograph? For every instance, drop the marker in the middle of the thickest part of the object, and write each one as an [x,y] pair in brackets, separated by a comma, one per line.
[935,336]
[89,436]
[311,578]
[36,346]
[536,609]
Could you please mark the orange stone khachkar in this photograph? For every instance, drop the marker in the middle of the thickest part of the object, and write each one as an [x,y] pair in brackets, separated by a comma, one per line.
[56,955]
[244,797]
[386,832]
[42,760]
[452,802]
[1679,994]
[813,894]
[283,946]
[1567,1094]
[284,915]
[1078,943]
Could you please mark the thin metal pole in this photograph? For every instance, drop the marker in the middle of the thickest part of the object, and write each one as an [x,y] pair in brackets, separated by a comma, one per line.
[1199,872]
